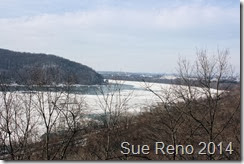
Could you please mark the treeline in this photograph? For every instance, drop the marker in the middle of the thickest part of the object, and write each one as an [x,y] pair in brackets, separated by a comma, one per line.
[30,68]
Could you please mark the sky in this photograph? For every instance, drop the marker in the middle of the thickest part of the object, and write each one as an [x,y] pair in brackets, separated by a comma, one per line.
[122,35]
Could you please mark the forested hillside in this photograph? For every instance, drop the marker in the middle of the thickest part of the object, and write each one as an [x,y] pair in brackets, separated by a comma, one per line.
[30,68]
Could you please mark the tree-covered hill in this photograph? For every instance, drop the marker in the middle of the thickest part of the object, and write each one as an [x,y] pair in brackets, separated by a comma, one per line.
[33,68]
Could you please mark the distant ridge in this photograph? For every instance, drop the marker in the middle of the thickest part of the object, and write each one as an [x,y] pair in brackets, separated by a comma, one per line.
[39,68]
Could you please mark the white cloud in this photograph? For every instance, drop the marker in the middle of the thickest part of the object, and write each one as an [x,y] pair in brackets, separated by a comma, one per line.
[114,31]
[184,16]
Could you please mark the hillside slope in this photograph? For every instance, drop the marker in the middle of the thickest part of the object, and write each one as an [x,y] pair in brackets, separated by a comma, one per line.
[26,68]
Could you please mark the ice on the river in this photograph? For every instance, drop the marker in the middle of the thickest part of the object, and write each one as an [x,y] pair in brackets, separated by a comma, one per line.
[140,96]
[132,99]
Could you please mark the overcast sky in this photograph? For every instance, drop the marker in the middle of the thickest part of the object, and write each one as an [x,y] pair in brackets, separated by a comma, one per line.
[122,35]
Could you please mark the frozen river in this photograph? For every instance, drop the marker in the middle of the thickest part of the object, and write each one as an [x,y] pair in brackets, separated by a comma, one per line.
[134,94]
[141,95]
[124,97]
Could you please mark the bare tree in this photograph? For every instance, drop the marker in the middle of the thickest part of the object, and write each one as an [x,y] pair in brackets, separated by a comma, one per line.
[209,74]
[167,120]
[115,117]
[195,104]
[16,122]
[61,113]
